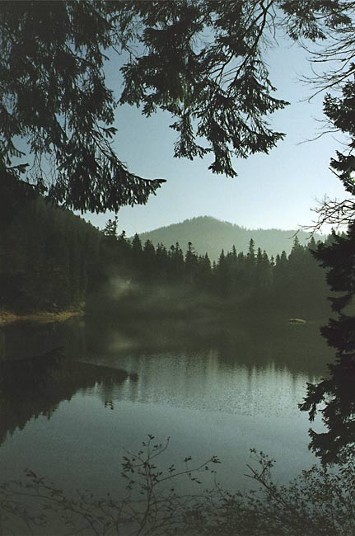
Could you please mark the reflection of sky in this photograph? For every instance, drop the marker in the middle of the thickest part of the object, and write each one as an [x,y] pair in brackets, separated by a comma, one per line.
[202,382]
[222,398]
[206,406]
[275,190]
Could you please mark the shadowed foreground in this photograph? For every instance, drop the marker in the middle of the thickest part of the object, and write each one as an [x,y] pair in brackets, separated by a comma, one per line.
[319,502]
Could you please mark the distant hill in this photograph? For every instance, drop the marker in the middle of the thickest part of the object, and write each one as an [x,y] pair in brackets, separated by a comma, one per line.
[210,235]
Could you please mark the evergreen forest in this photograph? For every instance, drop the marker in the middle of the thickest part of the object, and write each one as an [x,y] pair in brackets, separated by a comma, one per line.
[207,65]
[52,260]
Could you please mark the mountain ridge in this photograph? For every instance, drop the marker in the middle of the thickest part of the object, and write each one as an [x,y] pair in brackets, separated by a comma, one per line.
[210,235]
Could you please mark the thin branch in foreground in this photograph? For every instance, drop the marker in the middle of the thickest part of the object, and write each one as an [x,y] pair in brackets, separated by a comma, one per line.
[338,214]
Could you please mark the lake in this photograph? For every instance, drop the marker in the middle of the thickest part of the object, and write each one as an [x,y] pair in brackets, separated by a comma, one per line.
[215,388]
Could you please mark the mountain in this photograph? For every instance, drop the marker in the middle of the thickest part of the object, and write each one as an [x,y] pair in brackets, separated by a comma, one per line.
[210,235]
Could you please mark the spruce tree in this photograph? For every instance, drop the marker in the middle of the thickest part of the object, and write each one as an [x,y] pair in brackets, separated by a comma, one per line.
[334,396]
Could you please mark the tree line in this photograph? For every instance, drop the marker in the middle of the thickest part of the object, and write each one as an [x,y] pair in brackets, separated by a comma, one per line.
[55,97]
[48,257]
[292,284]
[51,259]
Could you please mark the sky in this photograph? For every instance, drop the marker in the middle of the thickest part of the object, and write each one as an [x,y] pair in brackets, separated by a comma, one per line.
[278,190]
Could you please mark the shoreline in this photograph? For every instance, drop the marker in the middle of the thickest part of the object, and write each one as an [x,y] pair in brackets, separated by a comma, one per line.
[44,317]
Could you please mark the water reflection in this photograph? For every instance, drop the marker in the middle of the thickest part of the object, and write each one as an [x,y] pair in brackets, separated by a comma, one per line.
[204,381]
[33,387]
[216,388]
[246,368]
[257,342]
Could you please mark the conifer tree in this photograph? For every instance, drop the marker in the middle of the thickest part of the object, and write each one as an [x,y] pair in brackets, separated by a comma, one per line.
[336,393]
[218,89]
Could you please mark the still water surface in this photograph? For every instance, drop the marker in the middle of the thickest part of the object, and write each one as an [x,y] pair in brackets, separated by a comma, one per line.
[214,390]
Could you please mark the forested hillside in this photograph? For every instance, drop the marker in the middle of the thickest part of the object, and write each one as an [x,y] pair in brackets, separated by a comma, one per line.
[292,285]
[47,257]
[209,235]
[52,260]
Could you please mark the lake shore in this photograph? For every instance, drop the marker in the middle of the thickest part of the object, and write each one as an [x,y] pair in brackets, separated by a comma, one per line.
[45,317]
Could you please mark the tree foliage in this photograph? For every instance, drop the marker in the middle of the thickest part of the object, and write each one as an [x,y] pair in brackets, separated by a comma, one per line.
[340,111]
[334,395]
[202,61]
[54,96]
[317,503]
[217,88]
[52,260]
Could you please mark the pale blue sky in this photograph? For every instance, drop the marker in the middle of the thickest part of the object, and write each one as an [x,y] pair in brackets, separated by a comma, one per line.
[276,190]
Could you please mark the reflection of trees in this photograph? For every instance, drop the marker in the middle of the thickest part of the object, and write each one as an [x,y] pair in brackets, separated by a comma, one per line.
[337,392]
[235,340]
[33,387]
[26,339]
[262,342]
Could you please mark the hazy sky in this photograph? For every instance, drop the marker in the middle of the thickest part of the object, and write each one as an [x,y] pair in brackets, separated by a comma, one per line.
[275,190]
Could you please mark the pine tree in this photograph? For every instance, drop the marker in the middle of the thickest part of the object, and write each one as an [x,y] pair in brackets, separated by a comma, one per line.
[336,393]
[177,263]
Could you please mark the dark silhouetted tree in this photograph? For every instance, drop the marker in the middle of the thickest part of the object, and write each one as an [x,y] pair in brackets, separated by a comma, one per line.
[334,396]
[54,93]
